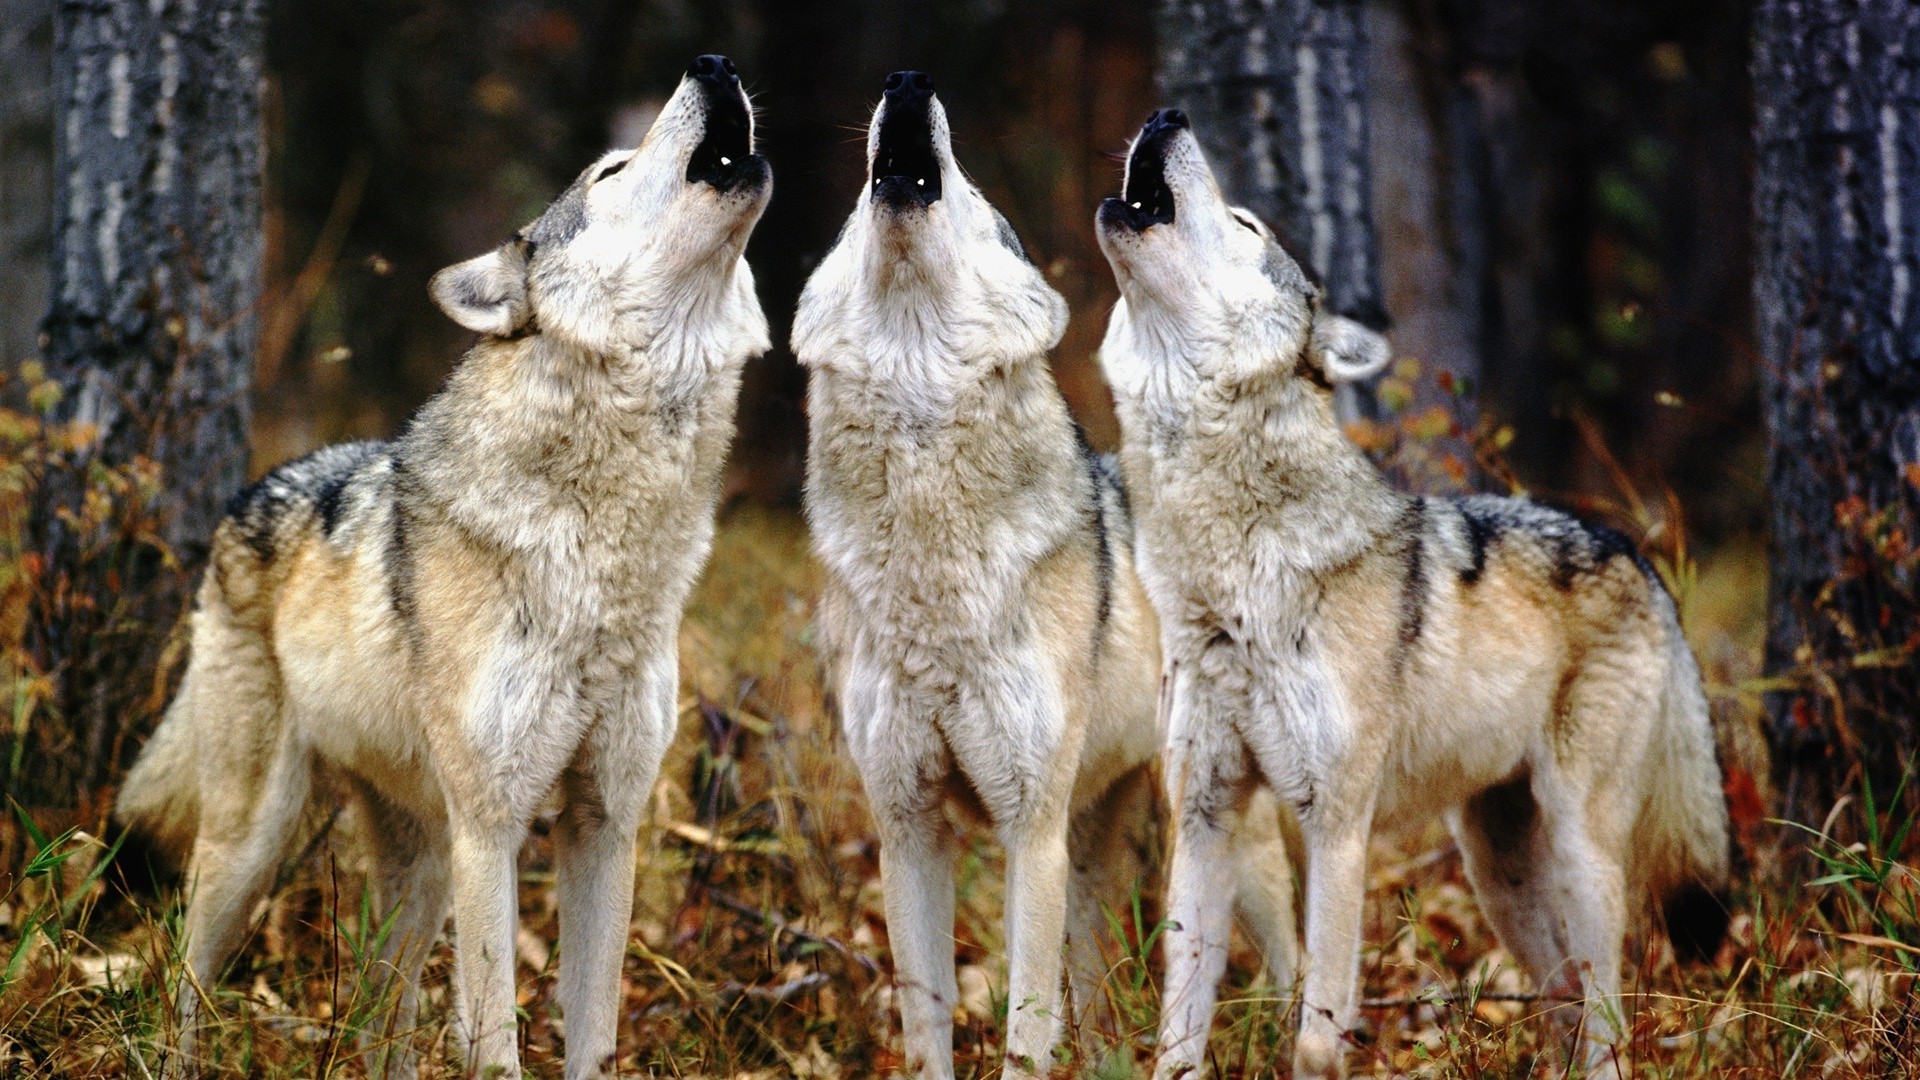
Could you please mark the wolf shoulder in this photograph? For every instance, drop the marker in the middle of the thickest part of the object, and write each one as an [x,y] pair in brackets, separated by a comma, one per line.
[1509,542]
[1493,583]
[331,496]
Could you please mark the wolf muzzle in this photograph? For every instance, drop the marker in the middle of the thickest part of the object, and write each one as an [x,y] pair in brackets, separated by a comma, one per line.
[724,158]
[1147,200]
[906,171]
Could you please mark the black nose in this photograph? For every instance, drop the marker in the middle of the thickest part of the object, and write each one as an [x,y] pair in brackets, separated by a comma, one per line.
[909,86]
[1167,119]
[715,70]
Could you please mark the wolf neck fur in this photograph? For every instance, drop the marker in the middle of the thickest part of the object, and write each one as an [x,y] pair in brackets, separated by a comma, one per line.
[914,501]
[1266,440]
[599,449]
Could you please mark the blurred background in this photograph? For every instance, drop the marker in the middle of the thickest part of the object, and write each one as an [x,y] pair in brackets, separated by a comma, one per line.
[1560,193]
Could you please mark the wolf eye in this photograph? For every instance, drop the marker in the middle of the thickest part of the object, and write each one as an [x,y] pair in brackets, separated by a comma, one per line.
[1248,224]
[611,169]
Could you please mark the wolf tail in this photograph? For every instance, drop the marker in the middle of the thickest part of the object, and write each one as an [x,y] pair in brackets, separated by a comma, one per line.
[1682,837]
[160,798]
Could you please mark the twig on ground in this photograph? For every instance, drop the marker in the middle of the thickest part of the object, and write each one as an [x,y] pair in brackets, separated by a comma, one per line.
[731,993]
[781,928]
[1461,999]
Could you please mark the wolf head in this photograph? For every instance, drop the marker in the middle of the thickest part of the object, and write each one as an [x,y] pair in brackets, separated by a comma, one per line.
[926,270]
[1208,281]
[639,236]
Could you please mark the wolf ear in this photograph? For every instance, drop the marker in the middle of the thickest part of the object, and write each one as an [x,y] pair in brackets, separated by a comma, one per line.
[488,294]
[1346,350]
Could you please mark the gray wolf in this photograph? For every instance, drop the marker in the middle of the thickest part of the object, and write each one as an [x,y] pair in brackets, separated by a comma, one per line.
[454,626]
[985,634]
[1375,658]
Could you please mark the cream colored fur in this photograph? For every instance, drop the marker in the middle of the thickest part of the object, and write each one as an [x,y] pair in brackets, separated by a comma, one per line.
[987,639]
[1373,658]
[452,628]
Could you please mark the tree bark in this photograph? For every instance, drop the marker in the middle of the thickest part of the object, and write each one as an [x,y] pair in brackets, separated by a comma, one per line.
[150,333]
[1837,217]
[1277,89]
[26,176]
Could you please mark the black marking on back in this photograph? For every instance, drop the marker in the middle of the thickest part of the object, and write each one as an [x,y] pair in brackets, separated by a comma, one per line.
[315,483]
[1609,544]
[1482,530]
[1103,543]
[327,499]
[254,510]
[1584,549]
[400,584]
[1569,547]
[1413,597]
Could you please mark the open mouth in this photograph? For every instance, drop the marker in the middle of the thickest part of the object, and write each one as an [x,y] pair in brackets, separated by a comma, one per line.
[1147,200]
[906,171]
[725,157]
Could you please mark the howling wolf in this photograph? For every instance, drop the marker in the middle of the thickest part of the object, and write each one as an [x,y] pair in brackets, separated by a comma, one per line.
[450,627]
[986,635]
[1373,657]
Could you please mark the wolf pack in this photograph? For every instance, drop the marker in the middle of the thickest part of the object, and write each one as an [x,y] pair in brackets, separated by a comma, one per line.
[1236,630]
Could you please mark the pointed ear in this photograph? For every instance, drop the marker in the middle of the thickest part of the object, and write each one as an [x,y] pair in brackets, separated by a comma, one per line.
[1346,350]
[488,294]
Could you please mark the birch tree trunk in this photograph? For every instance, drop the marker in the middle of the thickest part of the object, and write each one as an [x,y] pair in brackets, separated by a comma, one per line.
[1837,216]
[26,171]
[150,330]
[1277,89]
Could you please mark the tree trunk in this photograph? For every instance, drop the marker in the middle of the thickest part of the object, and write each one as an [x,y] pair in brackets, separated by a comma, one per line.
[1837,215]
[1277,89]
[1277,92]
[1279,98]
[26,171]
[1431,185]
[150,334]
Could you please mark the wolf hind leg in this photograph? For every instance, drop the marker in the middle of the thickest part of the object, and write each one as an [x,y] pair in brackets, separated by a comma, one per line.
[410,889]
[1106,842]
[1555,899]
[1505,850]
[241,841]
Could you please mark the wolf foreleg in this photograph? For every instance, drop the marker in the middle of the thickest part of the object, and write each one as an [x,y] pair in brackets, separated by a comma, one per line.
[605,794]
[1200,890]
[1036,912]
[1206,781]
[485,914]
[916,877]
[1336,893]
[1264,896]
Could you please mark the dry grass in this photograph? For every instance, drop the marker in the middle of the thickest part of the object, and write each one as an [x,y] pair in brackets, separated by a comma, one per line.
[758,947]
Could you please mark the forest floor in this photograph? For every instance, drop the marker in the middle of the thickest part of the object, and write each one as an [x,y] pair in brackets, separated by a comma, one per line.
[759,948]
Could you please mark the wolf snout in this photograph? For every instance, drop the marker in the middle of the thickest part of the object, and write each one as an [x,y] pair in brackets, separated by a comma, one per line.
[906,166]
[724,157]
[909,86]
[1147,200]
[714,71]
[1167,120]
